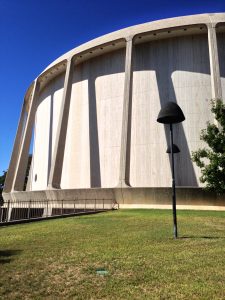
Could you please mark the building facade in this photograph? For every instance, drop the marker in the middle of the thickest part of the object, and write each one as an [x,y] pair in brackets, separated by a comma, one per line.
[93,111]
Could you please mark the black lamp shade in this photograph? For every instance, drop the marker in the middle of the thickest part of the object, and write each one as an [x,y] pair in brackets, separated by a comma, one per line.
[175,149]
[170,113]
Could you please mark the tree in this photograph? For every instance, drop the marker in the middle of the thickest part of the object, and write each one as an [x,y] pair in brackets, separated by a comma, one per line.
[211,159]
[2,180]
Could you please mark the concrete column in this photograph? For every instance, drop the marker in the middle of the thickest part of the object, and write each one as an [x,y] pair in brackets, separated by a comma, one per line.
[23,154]
[126,119]
[58,153]
[214,62]
[16,149]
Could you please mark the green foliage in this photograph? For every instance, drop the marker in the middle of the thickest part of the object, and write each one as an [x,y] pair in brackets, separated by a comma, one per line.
[2,180]
[211,159]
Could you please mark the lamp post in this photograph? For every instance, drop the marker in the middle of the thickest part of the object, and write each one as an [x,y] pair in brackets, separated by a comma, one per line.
[172,150]
[175,149]
[169,114]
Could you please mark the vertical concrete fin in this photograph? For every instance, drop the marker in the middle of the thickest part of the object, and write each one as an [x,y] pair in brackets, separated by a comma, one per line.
[59,148]
[16,149]
[214,62]
[126,118]
[23,154]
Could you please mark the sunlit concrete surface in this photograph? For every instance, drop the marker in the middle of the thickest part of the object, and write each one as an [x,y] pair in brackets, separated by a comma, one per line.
[93,115]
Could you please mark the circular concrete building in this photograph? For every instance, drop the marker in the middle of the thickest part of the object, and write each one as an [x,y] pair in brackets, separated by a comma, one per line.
[93,113]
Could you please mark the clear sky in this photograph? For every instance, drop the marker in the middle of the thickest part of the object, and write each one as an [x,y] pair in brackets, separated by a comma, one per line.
[34,33]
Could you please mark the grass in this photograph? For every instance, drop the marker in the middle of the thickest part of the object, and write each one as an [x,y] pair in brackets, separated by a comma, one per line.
[58,259]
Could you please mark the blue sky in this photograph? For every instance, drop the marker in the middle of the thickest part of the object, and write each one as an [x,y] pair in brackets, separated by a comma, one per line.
[34,33]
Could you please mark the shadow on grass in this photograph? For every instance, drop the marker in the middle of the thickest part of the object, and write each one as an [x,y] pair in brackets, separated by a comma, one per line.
[202,237]
[5,255]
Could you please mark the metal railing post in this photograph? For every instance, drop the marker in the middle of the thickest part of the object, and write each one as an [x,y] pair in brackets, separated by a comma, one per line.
[7,215]
[47,209]
[28,213]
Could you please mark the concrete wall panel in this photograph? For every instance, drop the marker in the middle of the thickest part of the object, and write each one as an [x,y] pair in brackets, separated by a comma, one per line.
[46,122]
[176,70]
[93,137]
[76,164]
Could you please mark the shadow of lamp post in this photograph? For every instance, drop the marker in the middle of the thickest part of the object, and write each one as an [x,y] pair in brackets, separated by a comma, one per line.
[170,114]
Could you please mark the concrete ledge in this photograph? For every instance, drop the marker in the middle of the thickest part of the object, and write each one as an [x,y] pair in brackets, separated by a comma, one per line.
[179,207]
[55,194]
[130,197]
[186,196]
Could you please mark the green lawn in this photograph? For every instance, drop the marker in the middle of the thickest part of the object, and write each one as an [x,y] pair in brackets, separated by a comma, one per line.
[58,259]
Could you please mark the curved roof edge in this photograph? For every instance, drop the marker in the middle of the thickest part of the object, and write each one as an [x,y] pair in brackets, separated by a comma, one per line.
[212,18]
[125,33]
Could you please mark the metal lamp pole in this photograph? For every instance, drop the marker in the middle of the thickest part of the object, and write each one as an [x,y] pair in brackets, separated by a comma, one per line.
[173,185]
[171,113]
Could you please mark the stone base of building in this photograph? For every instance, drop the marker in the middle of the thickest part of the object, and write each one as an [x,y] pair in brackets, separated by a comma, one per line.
[129,197]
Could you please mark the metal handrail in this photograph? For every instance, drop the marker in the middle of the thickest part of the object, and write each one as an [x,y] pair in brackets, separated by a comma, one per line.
[22,210]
